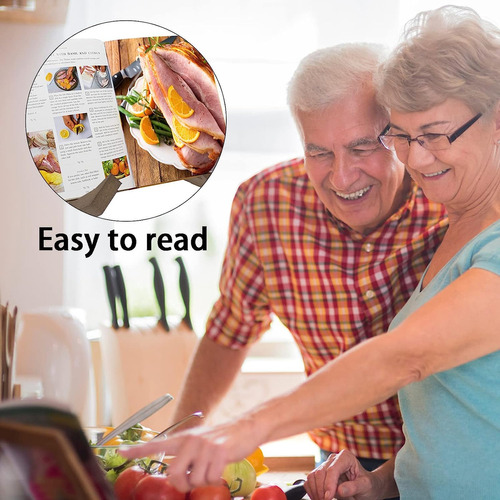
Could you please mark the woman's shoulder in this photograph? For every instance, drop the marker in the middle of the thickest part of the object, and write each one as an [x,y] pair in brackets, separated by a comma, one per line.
[483,251]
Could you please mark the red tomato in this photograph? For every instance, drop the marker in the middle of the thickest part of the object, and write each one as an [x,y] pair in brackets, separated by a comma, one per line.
[157,487]
[210,492]
[127,481]
[268,492]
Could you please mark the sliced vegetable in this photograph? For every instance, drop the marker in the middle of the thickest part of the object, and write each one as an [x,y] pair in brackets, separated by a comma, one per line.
[241,478]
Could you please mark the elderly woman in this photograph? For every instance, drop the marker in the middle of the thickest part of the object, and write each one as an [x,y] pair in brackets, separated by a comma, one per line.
[443,351]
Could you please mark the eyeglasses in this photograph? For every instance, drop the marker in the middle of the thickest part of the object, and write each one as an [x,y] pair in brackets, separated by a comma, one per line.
[433,142]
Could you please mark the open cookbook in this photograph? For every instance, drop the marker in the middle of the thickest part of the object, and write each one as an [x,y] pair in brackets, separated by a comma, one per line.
[79,125]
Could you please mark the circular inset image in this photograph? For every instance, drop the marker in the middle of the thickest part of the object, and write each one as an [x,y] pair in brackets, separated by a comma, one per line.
[120,107]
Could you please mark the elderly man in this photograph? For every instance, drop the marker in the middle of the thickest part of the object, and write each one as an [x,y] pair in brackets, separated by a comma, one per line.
[332,244]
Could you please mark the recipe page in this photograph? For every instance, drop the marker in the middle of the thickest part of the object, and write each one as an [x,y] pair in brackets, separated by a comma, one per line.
[72,121]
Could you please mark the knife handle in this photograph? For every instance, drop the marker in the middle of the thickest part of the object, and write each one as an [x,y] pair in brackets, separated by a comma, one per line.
[117,79]
[185,291]
[296,492]
[110,287]
[160,292]
[122,293]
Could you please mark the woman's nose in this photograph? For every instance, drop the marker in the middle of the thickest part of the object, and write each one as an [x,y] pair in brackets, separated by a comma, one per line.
[418,156]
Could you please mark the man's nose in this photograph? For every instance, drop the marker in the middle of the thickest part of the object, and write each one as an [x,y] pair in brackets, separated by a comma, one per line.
[343,173]
[418,156]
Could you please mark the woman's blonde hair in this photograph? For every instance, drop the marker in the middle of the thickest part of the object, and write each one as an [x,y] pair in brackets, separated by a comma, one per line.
[446,53]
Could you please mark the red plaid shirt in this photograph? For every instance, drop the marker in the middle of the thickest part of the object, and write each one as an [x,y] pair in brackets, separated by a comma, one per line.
[330,286]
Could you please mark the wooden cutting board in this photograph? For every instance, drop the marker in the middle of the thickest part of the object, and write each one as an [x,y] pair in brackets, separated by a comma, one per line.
[120,54]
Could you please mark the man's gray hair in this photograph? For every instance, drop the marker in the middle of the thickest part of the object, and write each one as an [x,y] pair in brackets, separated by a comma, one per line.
[328,75]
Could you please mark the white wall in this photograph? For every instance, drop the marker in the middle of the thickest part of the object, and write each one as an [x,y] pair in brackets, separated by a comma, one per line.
[28,277]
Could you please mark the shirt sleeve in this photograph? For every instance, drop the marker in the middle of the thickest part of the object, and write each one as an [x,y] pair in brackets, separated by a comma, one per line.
[488,256]
[242,312]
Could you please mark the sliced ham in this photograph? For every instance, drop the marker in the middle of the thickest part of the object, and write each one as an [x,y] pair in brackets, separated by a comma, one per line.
[189,64]
[193,161]
[201,119]
[47,162]
[207,149]
[206,144]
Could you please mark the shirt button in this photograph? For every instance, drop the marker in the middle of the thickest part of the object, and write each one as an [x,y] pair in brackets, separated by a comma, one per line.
[369,294]
[368,247]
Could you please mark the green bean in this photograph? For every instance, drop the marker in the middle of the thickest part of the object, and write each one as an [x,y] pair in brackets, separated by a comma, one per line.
[126,112]
[162,132]
[160,125]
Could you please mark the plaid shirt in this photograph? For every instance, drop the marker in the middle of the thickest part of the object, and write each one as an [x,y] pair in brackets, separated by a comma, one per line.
[330,286]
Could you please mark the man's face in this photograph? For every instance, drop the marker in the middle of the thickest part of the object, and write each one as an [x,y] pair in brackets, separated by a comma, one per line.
[357,179]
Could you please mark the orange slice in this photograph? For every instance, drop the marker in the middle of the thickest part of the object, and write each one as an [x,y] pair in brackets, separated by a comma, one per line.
[177,105]
[141,108]
[147,131]
[257,460]
[137,109]
[177,141]
[185,134]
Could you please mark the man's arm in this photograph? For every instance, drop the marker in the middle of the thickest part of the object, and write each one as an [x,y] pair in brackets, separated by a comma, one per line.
[210,376]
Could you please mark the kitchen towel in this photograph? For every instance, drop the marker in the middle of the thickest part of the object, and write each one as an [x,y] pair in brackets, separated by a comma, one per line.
[96,201]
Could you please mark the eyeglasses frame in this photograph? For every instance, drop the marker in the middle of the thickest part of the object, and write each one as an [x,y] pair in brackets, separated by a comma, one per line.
[451,137]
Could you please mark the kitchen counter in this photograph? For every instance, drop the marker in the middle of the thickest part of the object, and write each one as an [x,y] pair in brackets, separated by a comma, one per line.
[283,479]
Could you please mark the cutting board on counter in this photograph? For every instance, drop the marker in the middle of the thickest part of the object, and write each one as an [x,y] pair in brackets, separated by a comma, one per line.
[143,362]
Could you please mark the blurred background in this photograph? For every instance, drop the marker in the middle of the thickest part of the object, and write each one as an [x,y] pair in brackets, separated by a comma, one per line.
[253,48]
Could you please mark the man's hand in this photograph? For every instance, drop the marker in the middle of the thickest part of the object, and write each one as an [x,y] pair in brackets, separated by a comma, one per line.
[342,477]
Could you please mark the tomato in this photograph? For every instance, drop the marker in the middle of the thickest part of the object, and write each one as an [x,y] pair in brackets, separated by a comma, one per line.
[157,487]
[211,492]
[268,492]
[127,481]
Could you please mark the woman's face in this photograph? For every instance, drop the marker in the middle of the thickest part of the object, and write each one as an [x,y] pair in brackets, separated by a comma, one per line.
[461,175]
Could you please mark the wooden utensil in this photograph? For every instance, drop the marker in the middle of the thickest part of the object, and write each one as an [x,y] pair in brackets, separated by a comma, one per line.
[4,392]
[11,342]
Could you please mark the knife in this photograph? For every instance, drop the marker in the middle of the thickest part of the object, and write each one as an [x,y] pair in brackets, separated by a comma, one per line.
[160,293]
[297,491]
[137,417]
[110,287]
[122,294]
[185,292]
[134,69]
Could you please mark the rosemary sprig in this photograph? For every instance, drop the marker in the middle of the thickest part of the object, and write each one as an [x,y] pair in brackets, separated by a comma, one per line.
[154,43]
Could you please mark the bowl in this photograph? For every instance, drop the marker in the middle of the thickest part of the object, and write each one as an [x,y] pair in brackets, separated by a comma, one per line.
[108,454]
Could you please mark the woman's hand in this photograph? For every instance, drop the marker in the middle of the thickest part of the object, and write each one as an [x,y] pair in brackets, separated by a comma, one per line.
[200,453]
[342,477]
